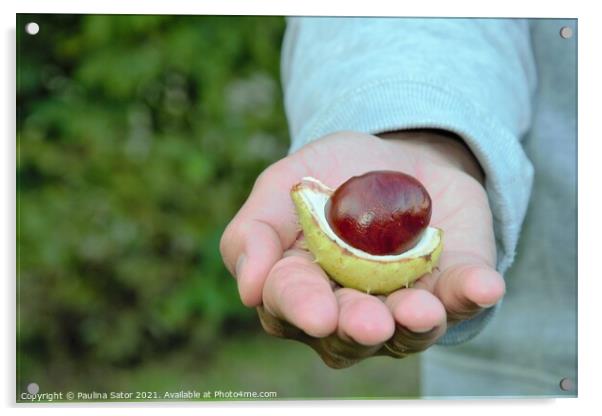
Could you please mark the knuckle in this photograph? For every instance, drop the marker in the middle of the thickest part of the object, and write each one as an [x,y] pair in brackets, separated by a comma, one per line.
[272,330]
[274,326]
[401,346]
[336,363]
[263,177]
[395,351]
[462,311]
[406,342]
[335,360]
[272,171]
[224,241]
[234,234]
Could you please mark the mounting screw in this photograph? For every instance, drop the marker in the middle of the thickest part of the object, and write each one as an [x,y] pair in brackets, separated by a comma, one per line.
[566,32]
[32,28]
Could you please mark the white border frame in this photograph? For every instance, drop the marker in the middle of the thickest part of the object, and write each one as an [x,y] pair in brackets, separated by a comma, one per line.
[589,208]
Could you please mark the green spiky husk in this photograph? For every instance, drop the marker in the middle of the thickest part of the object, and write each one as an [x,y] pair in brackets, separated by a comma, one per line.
[370,276]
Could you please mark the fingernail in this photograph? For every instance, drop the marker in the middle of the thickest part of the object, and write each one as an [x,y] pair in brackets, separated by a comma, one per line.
[240,263]
[486,306]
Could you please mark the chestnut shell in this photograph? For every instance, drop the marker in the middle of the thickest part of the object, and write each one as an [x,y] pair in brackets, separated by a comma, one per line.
[380,212]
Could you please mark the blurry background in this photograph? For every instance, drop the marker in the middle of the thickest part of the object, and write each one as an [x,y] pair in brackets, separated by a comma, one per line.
[139,137]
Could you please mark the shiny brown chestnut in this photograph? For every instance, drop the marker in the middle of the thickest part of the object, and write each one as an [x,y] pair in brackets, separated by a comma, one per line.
[380,212]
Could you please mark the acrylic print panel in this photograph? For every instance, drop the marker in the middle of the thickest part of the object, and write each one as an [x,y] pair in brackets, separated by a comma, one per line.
[140,137]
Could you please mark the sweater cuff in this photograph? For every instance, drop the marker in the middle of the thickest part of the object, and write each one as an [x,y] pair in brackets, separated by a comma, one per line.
[399,104]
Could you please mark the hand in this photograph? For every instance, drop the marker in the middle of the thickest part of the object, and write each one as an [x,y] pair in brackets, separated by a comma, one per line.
[296,299]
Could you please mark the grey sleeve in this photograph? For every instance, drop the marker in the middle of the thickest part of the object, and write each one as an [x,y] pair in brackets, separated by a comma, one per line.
[474,77]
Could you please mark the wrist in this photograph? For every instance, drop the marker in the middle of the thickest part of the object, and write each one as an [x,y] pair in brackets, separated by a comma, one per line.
[441,147]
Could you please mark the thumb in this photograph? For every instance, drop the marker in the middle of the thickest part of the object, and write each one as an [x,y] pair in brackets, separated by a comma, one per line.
[264,227]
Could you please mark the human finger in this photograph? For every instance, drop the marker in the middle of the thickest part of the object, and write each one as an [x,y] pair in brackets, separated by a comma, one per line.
[298,291]
[264,227]
[420,320]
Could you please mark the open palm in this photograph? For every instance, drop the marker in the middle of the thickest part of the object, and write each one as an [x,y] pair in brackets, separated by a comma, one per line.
[295,298]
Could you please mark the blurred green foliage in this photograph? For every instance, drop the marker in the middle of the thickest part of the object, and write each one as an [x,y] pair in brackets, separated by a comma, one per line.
[139,137]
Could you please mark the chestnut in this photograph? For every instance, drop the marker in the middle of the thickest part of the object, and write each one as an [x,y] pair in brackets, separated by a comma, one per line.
[380,212]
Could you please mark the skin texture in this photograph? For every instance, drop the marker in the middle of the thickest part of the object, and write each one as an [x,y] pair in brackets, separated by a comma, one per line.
[380,212]
[295,299]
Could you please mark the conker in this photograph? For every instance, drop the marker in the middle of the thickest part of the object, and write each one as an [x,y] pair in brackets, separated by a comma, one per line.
[380,212]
